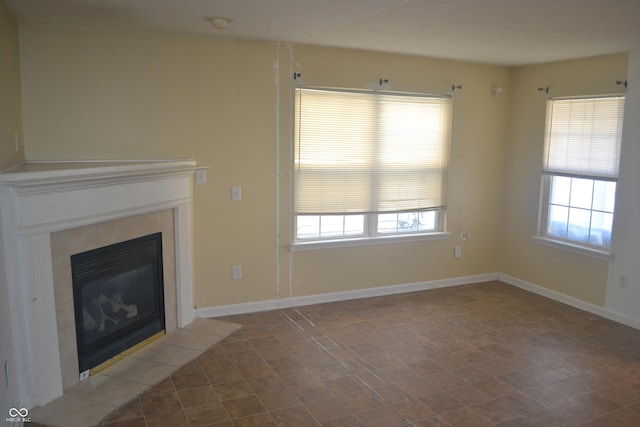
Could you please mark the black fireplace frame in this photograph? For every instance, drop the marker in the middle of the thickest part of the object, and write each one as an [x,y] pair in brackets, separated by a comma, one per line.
[112,260]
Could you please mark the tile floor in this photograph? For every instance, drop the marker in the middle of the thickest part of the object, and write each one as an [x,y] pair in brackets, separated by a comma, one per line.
[478,355]
[87,403]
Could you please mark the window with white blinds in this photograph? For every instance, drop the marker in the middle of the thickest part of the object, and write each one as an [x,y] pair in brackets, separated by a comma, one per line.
[583,136]
[580,169]
[361,153]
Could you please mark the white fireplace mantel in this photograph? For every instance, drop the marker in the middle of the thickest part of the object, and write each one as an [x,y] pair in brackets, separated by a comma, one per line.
[37,199]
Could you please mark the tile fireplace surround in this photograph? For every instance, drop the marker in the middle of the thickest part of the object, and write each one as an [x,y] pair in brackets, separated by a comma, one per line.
[81,239]
[41,200]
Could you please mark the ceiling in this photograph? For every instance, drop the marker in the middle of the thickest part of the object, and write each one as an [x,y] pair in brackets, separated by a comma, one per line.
[505,32]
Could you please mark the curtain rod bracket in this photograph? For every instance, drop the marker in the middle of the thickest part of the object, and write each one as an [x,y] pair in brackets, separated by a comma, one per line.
[622,83]
[544,89]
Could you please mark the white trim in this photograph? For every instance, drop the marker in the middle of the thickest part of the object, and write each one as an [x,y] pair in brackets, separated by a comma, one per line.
[65,224]
[366,241]
[279,303]
[569,300]
[182,220]
[575,248]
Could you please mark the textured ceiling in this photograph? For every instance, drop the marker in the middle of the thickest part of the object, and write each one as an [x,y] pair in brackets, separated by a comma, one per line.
[508,32]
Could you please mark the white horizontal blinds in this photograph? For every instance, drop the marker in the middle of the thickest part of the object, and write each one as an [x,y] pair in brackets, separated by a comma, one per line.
[583,136]
[368,152]
[411,152]
[333,160]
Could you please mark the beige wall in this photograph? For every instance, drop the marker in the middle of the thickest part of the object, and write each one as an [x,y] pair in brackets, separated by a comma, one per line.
[92,93]
[10,104]
[476,159]
[623,297]
[100,94]
[579,276]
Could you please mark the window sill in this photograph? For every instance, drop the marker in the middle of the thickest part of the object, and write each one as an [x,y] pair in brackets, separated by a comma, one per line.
[602,254]
[366,241]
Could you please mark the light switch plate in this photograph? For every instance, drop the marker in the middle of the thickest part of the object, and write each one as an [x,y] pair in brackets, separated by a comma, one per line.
[236,193]
[201,176]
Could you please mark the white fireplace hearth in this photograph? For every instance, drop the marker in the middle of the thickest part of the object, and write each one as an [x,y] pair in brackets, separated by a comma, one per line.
[39,201]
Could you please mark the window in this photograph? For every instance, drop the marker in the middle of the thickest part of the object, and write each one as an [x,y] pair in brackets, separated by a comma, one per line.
[369,164]
[580,170]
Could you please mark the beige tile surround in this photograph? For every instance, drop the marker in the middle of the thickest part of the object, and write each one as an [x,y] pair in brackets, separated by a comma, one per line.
[68,242]
[87,403]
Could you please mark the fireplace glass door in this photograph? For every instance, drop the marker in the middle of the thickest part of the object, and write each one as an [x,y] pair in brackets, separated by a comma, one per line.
[118,297]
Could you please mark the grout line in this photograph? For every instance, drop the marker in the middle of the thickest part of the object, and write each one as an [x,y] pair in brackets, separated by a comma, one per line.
[336,359]
[174,369]
[304,317]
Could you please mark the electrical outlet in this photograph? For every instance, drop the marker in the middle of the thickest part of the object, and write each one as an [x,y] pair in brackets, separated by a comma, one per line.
[236,193]
[236,272]
[624,281]
[457,252]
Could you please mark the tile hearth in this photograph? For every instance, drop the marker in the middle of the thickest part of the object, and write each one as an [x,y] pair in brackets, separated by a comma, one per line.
[88,402]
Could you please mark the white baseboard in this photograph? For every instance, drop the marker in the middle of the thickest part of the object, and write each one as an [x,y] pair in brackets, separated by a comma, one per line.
[274,304]
[565,299]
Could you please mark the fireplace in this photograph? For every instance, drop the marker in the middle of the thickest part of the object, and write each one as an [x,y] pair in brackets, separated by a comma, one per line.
[118,298]
[51,208]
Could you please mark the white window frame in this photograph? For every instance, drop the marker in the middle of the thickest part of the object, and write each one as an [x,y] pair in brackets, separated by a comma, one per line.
[371,232]
[579,169]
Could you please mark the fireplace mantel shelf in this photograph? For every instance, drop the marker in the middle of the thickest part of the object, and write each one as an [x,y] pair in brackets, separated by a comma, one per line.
[49,176]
